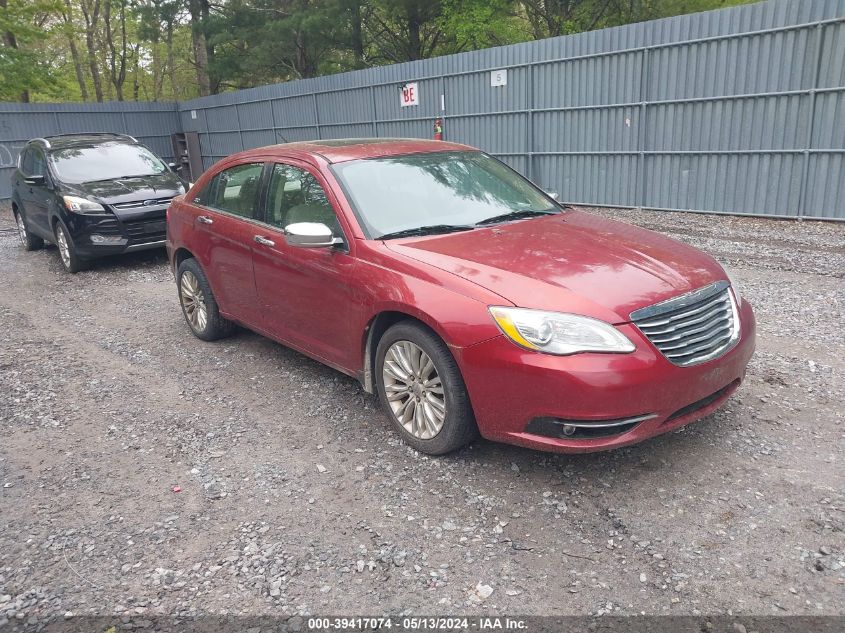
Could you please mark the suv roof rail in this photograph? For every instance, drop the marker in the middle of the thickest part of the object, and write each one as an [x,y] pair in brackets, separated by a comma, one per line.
[112,134]
[41,140]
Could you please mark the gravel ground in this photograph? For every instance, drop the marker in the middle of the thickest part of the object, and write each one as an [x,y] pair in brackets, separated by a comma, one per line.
[144,472]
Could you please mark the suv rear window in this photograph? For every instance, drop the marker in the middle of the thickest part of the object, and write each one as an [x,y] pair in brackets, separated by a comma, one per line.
[106,161]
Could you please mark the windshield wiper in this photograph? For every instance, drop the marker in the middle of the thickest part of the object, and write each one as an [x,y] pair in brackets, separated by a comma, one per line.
[433,229]
[514,215]
[120,178]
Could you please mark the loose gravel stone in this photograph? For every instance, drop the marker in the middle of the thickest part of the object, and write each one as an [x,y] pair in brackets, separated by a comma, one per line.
[297,498]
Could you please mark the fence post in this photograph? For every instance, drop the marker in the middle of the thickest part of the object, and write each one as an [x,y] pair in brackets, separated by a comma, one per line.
[316,115]
[645,69]
[811,118]
[375,113]
[530,124]
[273,118]
[240,129]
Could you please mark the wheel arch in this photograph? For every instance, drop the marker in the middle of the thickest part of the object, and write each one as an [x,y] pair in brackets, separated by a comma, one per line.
[179,256]
[378,325]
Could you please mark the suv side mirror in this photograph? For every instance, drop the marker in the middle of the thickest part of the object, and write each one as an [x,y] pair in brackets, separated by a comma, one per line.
[172,166]
[36,179]
[310,235]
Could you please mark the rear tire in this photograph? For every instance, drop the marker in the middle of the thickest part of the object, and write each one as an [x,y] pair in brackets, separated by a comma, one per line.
[29,241]
[68,255]
[199,306]
[422,391]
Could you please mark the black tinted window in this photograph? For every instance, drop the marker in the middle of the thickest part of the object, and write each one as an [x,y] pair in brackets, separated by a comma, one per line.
[234,190]
[296,196]
[105,161]
[38,165]
[26,161]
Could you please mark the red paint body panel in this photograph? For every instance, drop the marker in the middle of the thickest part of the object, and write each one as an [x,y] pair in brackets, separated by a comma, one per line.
[322,302]
[510,386]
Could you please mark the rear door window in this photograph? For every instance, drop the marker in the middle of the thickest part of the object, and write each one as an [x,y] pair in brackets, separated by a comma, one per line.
[234,190]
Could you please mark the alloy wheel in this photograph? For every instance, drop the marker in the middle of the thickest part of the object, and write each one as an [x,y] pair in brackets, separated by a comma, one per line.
[193,301]
[414,390]
[21,228]
[62,243]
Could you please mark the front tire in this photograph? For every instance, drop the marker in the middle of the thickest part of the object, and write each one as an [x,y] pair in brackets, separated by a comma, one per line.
[422,391]
[71,260]
[198,303]
[29,241]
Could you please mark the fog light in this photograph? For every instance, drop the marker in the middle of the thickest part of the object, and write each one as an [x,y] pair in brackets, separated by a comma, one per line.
[105,239]
[568,429]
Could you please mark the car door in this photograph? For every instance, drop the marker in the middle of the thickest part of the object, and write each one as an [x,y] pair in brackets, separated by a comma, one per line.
[34,194]
[224,216]
[305,294]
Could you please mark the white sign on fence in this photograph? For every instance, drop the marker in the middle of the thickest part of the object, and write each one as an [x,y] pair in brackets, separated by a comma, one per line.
[499,77]
[410,96]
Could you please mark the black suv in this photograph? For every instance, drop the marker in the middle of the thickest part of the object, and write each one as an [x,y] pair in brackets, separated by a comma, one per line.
[91,195]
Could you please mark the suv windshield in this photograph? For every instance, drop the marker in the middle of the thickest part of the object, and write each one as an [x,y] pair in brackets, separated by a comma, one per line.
[105,161]
[441,189]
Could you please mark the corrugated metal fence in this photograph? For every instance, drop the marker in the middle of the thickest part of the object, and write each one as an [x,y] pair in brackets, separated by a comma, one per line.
[733,111]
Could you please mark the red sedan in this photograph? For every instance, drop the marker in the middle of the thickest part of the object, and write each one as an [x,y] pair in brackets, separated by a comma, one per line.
[468,299]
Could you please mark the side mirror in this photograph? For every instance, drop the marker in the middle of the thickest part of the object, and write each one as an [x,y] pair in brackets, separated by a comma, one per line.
[38,179]
[172,166]
[310,235]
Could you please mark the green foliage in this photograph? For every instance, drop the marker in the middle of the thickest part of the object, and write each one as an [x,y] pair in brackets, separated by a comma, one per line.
[24,26]
[173,47]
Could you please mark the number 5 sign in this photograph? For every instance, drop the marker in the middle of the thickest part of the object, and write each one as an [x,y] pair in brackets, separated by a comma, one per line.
[409,96]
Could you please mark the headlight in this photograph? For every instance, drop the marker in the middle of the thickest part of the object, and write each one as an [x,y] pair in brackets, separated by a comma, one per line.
[75,204]
[558,333]
[735,287]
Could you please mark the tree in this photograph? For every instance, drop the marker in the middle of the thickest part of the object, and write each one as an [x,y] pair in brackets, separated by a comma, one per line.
[91,12]
[24,24]
[118,55]
[69,30]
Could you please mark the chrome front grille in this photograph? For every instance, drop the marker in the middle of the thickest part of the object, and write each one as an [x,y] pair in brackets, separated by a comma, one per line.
[693,328]
[139,204]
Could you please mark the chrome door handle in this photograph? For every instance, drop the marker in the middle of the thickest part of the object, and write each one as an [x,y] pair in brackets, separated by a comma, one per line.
[204,219]
[264,241]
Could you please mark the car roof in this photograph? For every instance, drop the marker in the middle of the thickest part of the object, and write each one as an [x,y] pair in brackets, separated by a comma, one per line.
[342,150]
[63,141]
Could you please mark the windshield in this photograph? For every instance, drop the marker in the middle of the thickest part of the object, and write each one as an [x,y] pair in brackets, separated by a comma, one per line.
[401,193]
[106,161]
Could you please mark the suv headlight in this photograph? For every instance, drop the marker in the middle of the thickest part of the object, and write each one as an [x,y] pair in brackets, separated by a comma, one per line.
[559,333]
[75,204]
[734,286]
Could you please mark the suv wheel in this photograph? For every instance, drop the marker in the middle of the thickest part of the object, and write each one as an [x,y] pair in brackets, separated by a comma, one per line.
[198,303]
[29,241]
[422,391]
[67,251]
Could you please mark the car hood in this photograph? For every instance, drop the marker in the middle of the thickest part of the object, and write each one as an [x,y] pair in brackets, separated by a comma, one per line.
[572,262]
[165,185]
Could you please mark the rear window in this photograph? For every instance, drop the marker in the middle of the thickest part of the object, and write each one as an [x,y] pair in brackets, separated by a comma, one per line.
[106,161]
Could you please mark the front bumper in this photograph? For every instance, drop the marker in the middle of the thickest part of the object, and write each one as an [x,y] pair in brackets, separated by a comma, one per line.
[512,388]
[101,235]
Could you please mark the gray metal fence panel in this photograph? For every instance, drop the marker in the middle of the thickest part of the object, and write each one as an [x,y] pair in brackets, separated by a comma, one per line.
[735,111]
